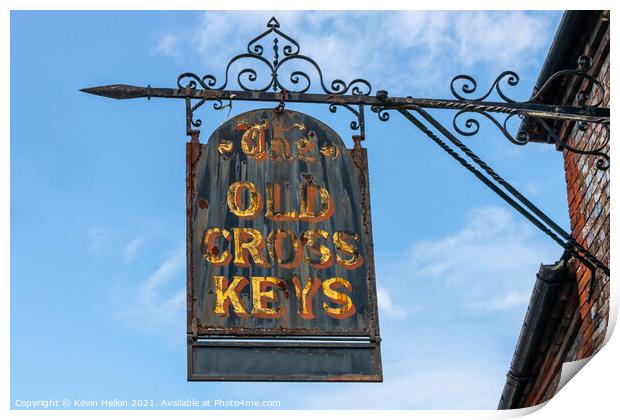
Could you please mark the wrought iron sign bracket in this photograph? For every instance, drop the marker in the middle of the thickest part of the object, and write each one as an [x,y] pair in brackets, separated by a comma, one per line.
[281,81]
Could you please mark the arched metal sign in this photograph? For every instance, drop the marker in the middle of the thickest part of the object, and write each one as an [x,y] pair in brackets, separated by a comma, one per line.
[280,264]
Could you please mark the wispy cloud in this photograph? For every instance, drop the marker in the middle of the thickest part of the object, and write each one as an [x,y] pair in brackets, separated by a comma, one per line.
[386,306]
[153,303]
[159,300]
[489,264]
[119,241]
[168,45]
[416,50]
[130,249]
[509,301]
[149,300]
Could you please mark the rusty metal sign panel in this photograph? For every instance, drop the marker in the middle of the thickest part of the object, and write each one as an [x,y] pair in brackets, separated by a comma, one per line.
[280,264]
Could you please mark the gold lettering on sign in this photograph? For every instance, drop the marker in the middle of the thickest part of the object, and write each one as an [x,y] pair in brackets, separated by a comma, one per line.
[253,139]
[225,147]
[211,252]
[227,294]
[329,151]
[347,307]
[249,242]
[276,249]
[254,143]
[304,296]
[235,199]
[323,252]
[307,194]
[280,149]
[285,246]
[274,205]
[340,241]
[262,293]
[303,150]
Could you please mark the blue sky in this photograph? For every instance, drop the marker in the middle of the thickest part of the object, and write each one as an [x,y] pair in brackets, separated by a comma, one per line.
[98,206]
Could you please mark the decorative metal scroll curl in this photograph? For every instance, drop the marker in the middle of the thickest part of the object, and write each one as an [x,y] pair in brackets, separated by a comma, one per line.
[469,86]
[263,73]
[360,124]
[464,87]
[355,125]
[381,112]
[471,126]
[602,162]
[299,81]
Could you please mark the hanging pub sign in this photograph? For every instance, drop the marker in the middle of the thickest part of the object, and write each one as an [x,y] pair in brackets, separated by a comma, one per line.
[280,264]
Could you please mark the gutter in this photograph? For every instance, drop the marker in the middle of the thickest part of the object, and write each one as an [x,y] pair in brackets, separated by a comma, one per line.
[551,282]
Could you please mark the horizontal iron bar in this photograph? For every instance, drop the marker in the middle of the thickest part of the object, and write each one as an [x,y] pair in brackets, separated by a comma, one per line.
[526,109]
[277,340]
[283,338]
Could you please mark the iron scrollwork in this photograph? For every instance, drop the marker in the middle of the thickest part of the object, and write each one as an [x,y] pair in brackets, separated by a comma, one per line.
[299,81]
[355,125]
[360,124]
[602,162]
[218,104]
[471,126]
[381,112]
[469,85]
[463,87]
[286,52]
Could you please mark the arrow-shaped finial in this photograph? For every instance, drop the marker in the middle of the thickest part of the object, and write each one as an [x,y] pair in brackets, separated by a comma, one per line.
[118,91]
[273,23]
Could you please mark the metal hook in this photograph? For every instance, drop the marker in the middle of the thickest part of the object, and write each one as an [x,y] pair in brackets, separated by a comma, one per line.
[229,105]
[281,105]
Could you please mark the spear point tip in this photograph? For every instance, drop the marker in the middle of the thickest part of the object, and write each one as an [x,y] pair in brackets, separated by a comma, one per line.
[116,91]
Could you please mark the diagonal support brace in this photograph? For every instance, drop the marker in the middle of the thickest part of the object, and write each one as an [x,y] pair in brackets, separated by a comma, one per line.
[509,194]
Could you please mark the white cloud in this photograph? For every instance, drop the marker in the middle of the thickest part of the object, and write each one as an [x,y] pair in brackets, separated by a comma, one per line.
[107,240]
[168,45]
[166,270]
[131,248]
[386,306]
[531,188]
[404,50]
[489,264]
[503,38]
[510,301]
[159,300]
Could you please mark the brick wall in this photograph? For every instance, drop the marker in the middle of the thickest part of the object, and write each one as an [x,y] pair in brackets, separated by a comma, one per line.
[585,320]
[588,204]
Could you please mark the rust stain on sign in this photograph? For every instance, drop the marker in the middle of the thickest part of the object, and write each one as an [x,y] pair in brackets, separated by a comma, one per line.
[279,245]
